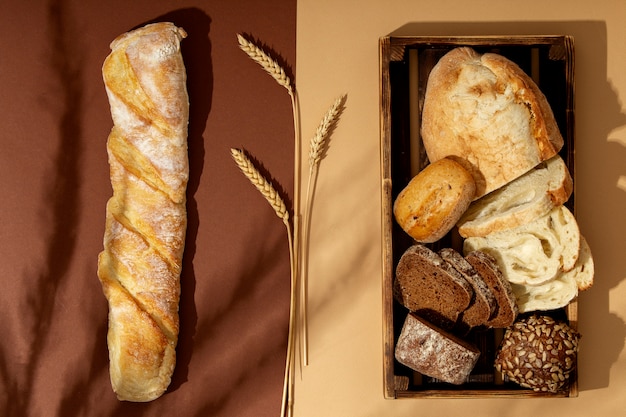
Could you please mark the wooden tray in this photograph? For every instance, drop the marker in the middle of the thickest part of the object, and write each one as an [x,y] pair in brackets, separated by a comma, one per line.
[405,63]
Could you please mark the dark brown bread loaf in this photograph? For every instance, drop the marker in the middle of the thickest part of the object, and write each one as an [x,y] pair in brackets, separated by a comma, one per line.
[430,287]
[488,269]
[434,352]
[483,305]
[538,353]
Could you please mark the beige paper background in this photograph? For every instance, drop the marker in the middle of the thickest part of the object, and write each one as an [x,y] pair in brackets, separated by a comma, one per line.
[337,52]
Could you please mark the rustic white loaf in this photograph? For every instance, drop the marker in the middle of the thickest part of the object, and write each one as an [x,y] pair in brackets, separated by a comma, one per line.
[485,112]
[521,201]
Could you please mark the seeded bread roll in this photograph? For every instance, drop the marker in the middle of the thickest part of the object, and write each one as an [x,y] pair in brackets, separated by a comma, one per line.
[430,287]
[487,267]
[434,200]
[484,110]
[538,353]
[434,352]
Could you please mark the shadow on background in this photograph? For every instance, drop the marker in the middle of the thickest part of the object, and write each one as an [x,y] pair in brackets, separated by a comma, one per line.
[600,162]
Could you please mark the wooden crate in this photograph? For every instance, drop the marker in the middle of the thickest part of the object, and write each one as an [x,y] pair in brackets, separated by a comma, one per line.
[405,63]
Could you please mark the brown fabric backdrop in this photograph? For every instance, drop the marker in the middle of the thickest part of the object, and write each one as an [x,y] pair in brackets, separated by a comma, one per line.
[54,183]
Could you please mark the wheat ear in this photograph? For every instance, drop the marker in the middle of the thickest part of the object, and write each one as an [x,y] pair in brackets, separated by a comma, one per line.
[266,62]
[317,148]
[264,186]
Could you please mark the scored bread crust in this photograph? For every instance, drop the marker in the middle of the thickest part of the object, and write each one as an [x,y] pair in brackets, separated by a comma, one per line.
[487,113]
[146,218]
[521,201]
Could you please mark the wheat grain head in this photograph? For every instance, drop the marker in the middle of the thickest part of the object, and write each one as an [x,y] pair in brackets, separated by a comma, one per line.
[270,65]
[263,185]
[318,142]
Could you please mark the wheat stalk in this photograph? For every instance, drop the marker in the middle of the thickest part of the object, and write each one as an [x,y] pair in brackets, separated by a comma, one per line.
[271,195]
[271,66]
[317,148]
[297,250]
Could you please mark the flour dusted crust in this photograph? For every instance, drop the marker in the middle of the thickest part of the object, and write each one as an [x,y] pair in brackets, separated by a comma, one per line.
[487,113]
[146,217]
[434,352]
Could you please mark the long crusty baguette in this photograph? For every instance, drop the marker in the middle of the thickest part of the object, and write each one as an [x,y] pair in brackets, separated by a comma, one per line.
[485,112]
[146,217]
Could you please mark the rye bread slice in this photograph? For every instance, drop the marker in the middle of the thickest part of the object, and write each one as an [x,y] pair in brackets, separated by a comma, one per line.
[430,287]
[483,305]
[488,269]
[434,352]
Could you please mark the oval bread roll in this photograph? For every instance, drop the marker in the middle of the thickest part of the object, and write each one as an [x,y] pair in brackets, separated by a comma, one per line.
[434,200]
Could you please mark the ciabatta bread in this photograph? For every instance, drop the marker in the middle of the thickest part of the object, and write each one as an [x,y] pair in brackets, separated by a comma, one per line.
[146,217]
[430,287]
[521,201]
[486,112]
[534,253]
[434,200]
[435,352]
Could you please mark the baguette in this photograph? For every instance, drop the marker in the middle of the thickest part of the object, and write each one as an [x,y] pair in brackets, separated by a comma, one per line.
[140,265]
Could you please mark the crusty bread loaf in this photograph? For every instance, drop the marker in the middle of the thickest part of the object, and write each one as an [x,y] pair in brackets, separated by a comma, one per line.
[506,311]
[430,287]
[486,112]
[146,217]
[539,353]
[483,305]
[434,352]
[521,201]
[434,200]
[536,252]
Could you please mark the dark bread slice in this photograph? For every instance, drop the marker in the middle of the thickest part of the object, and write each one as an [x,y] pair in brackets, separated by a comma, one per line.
[483,305]
[434,352]
[488,269]
[430,287]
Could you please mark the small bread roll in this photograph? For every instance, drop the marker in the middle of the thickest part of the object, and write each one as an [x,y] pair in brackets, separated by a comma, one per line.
[434,200]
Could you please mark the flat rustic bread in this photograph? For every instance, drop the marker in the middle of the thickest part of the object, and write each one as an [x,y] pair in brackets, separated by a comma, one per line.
[485,112]
[487,267]
[431,287]
[483,305]
[433,352]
